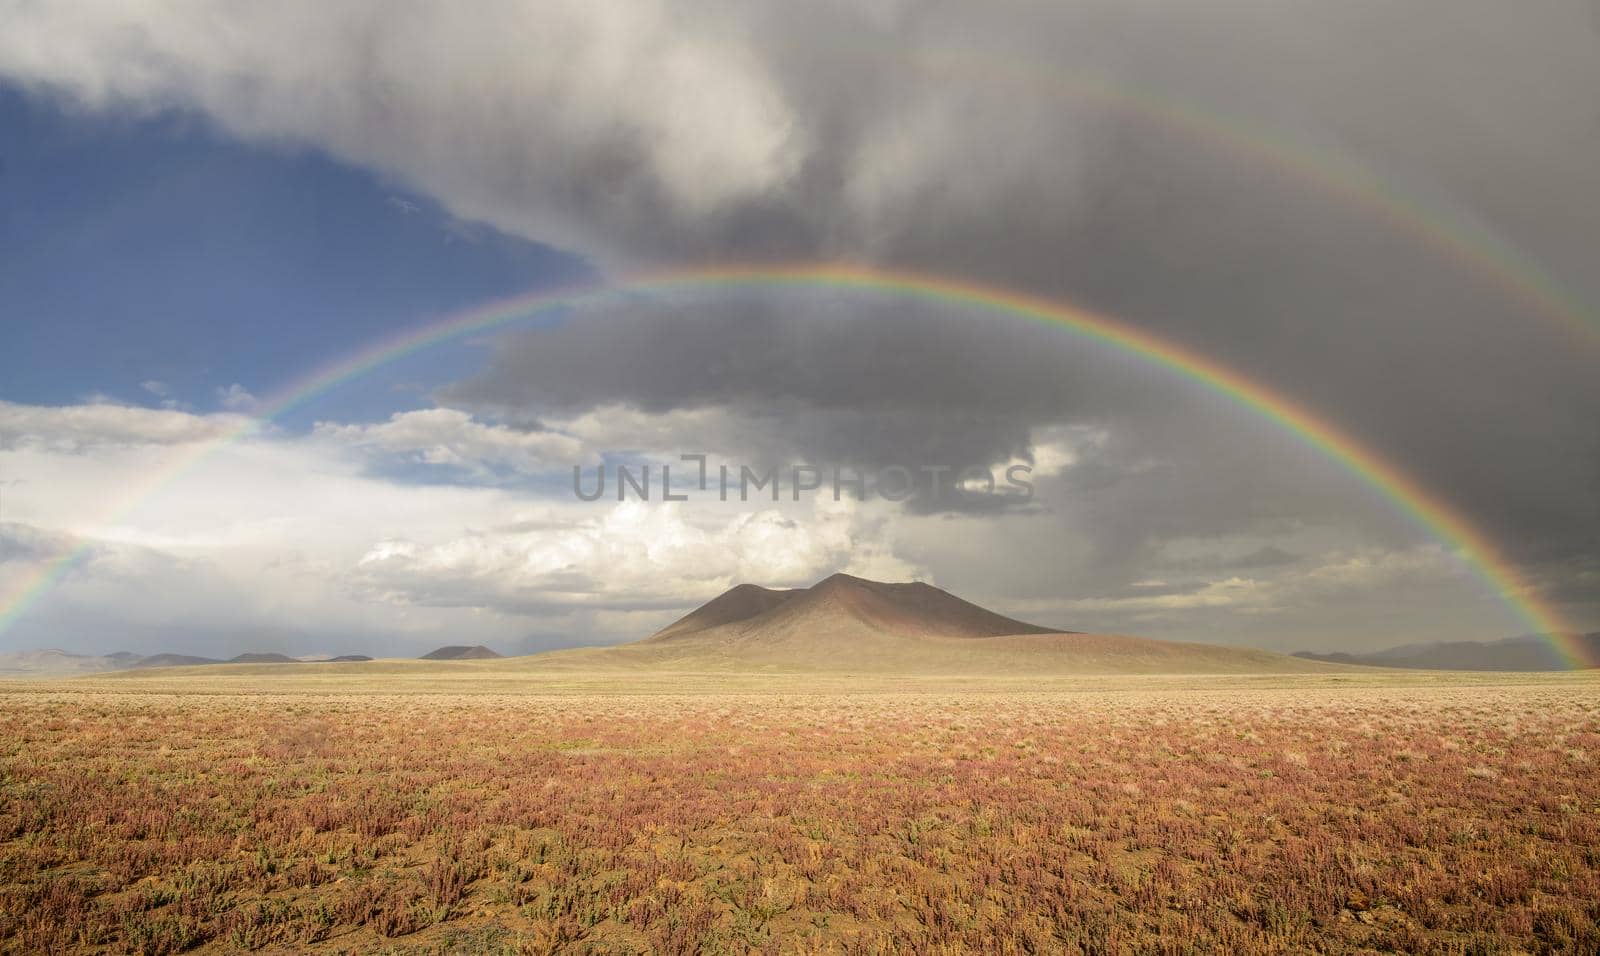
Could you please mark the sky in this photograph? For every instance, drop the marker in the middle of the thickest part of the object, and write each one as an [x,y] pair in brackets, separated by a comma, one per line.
[1387,213]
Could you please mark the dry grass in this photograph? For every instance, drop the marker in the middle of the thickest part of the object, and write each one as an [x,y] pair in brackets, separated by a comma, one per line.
[1422,818]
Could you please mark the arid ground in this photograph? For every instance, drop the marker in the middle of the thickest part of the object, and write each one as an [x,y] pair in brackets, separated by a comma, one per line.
[484,812]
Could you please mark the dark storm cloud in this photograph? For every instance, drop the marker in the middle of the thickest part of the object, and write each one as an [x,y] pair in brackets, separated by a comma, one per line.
[846,381]
[978,140]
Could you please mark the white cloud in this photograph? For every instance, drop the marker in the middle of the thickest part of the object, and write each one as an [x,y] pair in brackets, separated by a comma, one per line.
[446,437]
[1233,592]
[1056,448]
[237,398]
[76,428]
[708,430]
[630,555]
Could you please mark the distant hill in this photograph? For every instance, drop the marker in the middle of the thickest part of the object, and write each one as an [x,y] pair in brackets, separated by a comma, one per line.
[1526,653]
[461,652]
[174,660]
[853,625]
[254,658]
[54,662]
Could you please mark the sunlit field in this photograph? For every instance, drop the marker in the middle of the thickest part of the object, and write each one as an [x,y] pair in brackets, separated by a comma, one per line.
[1124,816]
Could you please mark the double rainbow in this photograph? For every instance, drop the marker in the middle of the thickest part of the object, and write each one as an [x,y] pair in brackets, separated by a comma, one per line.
[1433,514]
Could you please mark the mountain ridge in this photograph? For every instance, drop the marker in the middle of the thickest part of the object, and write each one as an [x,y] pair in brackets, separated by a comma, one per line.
[845,623]
[907,608]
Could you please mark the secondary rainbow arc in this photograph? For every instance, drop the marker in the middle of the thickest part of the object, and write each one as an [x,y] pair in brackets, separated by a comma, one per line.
[1477,250]
[1471,545]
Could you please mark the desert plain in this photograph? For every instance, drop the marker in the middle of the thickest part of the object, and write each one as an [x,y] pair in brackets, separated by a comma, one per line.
[493,807]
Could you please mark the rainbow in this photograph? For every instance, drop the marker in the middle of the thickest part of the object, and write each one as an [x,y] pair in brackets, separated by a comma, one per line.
[1428,511]
[1473,248]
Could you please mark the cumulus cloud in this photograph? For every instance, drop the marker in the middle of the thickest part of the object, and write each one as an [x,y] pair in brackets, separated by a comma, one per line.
[237,398]
[631,556]
[454,439]
[82,427]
